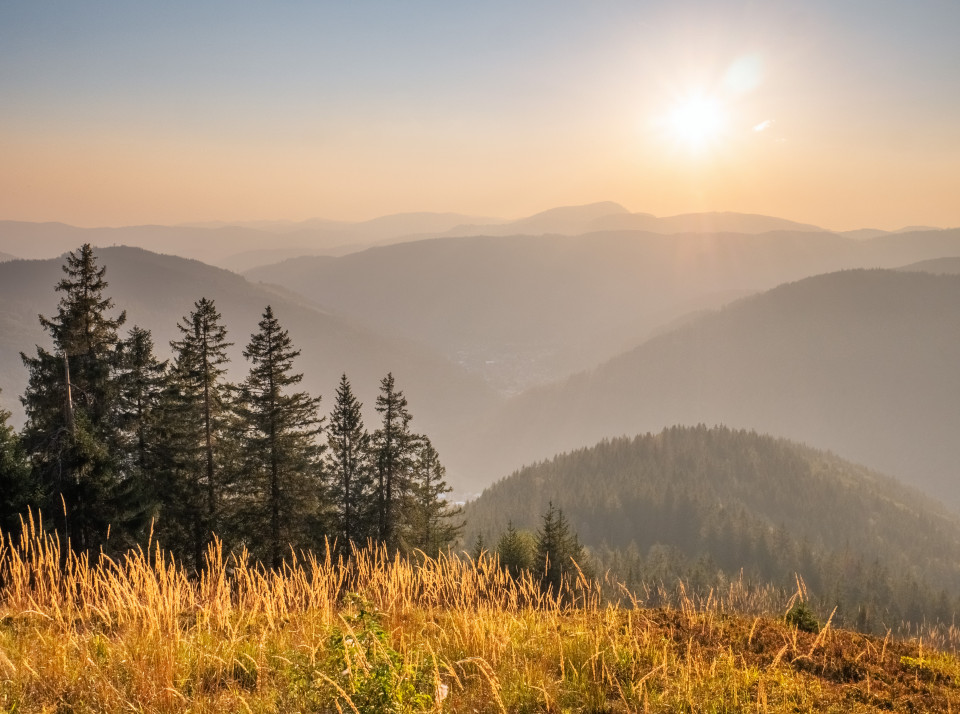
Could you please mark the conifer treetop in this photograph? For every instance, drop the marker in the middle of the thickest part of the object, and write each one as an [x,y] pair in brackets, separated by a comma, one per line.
[80,326]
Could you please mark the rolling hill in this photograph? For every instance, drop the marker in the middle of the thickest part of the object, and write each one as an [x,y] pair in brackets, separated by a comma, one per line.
[734,499]
[860,362]
[525,310]
[937,266]
[242,246]
[610,216]
[158,290]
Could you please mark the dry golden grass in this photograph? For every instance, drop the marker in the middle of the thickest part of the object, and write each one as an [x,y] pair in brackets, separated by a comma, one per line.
[381,635]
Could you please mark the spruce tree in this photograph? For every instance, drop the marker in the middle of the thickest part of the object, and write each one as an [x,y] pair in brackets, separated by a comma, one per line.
[71,434]
[516,550]
[197,430]
[393,447]
[479,549]
[17,488]
[280,485]
[557,549]
[142,379]
[349,470]
[431,522]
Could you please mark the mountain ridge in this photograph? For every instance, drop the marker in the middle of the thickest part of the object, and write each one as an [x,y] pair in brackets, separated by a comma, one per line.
[861,362]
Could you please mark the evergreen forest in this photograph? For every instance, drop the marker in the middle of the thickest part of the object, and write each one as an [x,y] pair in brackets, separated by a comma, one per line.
[707,507]
[122,448]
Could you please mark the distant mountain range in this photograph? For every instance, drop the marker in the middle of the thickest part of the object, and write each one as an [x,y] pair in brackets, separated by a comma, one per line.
[937,266]
[609,216]
[860,362]
[525,310]
[157,291]
[244,245]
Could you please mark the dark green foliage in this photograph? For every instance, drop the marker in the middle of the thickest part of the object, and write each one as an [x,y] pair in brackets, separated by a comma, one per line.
[431,522]
[393,454]
[279,488]
[372,673]
[17,488]
[701,504]
[115,440]
[479,549]
[802,617]
[516,550]
[72,434]
[558,551]
[198,430]
[350,472]
[141,381]
[85,334]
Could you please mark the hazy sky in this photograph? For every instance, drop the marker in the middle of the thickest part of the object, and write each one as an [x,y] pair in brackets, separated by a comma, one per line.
[844,113]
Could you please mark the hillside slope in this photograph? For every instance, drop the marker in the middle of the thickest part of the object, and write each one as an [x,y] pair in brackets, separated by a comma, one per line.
[740,499]
[860,362]
[937,266]
[157,291]
[525,310]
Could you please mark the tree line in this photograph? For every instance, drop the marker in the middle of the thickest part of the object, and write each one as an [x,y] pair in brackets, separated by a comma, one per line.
[120,446]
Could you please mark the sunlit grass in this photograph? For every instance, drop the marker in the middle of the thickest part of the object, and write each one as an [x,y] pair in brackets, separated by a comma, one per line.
[377,634]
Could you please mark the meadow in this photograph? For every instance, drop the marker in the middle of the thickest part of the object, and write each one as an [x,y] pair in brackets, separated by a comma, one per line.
[445,634]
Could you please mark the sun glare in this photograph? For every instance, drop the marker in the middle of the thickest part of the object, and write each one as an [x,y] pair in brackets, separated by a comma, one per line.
[697,122]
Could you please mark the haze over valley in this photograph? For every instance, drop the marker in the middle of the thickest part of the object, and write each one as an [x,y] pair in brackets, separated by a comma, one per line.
[517,347]
[494,357]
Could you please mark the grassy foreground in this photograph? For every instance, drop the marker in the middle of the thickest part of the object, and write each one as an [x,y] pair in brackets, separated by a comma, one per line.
[382,635]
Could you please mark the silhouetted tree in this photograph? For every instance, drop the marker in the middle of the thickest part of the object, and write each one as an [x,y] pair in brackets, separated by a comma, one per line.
[557,549]
[349,470]
[197,432]
[393,456]
[17,489]
[430,521]
[279,487]
[516,550]
[71,402]
[141,380]
[479,549]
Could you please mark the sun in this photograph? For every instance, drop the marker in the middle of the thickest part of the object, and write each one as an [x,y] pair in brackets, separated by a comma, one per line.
[697,122]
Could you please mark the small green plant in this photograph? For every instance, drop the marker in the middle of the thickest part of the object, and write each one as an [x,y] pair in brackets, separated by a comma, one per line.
[371,672]
[802,617]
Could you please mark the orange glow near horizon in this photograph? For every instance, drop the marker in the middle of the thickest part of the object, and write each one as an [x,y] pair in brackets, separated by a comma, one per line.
[665,112]
[121,181]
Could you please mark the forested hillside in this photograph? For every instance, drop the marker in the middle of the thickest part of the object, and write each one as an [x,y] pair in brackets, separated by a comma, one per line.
[694,502]
[860,362]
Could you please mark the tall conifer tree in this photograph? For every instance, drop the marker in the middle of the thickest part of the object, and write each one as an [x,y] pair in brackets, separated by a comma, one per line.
[557,549]
[71,432]
[349,470]
[430,522]
[280,485]
[142,379]
[196,432]
[394,452]
[516,550]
